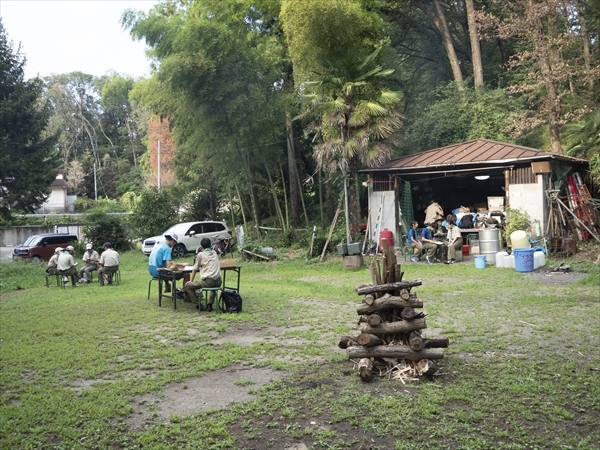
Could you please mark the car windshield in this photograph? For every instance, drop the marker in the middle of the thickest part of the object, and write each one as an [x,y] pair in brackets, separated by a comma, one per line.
[31,241]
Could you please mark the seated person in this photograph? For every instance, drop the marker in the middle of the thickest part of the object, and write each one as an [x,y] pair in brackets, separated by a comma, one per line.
[208,266]
[90,259]
[161,258]
[430,244]
[52,264]
[65,265]
[109,263]
[455,242]
[413,240]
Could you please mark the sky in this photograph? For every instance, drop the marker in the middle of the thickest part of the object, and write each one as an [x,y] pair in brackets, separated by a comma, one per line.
[61,36]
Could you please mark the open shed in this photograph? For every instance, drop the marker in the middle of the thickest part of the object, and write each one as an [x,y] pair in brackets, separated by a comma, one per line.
[482,175]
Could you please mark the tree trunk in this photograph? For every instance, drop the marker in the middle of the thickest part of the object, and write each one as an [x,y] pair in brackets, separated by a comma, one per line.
[475,46]
[586,45]
[347,341]
[292,170]
[426,367]
[373,320]
[440,22]
[436,343]
[415,341]
[393,351]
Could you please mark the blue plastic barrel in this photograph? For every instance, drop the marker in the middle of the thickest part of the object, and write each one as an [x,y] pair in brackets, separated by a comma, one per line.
[523,259]
[480,262]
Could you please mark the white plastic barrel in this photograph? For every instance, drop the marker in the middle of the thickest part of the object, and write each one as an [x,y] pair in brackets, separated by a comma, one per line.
[509,261]
[519,239]
[539,260]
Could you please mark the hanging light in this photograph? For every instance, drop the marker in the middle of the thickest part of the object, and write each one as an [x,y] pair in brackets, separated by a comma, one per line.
[482,177]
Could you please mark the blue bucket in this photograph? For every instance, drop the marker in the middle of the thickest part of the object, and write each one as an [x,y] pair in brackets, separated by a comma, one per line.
[480,262]
[524,259]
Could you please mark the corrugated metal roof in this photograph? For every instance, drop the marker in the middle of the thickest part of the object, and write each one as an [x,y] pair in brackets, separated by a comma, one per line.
[477,152]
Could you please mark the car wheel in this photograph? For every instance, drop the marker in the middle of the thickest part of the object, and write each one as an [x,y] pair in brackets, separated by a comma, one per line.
[36,259]
[178,251]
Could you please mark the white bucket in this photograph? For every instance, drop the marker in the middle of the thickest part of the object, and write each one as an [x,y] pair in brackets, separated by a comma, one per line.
[519,239]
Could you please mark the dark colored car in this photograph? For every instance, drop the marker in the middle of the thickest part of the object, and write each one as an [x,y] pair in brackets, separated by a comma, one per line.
[40,247]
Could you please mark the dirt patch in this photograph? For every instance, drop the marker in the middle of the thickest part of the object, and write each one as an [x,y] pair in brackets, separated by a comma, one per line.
[547,277]
[214,390]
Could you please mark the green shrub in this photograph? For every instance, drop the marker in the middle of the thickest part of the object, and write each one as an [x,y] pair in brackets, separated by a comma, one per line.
[516,220]
[101,227]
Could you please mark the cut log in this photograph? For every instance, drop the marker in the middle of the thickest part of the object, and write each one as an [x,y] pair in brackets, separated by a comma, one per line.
[436,343]
[387,302]
[374,320]
[388,287]
[368,340]
[415,341]
[363,318]
[395,327]
[393,351]
[408,313]
[365,366]
[426,367]
[404,294]
[368,299]
[347,341]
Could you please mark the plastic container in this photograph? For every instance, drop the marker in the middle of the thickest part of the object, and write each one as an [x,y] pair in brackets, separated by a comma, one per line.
[539,260]
[519,239]
[523,259]
[500,259]
[489,243]
[386,234]
[465,250]
[479,261]
[354,248]
[509,261]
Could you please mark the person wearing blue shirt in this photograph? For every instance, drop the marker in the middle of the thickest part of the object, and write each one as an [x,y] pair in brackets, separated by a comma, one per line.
[160,257]
[413,240]
[429,243]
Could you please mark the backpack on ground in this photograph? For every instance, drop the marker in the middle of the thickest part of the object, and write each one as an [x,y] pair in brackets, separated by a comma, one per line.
[230,301]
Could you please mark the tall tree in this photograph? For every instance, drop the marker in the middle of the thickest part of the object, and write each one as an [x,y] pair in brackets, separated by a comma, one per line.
[475,46]
[27,159]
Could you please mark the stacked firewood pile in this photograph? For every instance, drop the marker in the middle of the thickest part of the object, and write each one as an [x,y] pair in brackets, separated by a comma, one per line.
[391,343]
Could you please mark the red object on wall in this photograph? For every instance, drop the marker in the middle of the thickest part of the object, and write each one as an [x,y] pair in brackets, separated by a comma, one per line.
[386,234]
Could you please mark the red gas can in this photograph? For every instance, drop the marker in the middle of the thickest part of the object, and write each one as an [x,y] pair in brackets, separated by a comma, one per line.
[386,234]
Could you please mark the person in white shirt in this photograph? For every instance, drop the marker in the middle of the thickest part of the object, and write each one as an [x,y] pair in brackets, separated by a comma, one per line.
[51,269]
[90,258]
[66,265]
[455,242]
[208,266]
[109,263]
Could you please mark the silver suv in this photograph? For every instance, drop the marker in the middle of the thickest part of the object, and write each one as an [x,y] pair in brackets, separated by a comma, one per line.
[190,234]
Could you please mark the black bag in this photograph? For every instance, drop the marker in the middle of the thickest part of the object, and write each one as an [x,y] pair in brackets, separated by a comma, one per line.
[466,221]
[230,301]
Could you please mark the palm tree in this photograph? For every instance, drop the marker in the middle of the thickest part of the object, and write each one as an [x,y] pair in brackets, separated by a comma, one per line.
[583,140]
[354,119]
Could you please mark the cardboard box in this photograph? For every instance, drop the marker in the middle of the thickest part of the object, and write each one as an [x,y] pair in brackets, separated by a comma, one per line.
[541,167]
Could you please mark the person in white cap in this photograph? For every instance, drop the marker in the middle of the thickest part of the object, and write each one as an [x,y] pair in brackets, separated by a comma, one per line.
[51,269]
[161,258]
[90,259]
[66,265]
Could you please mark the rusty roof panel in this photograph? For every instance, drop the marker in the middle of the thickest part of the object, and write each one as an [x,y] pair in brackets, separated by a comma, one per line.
[479,151]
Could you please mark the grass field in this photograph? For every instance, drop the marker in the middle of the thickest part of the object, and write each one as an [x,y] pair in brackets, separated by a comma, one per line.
[93,367]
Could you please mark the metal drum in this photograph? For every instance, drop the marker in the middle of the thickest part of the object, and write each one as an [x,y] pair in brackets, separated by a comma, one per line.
[489,243]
